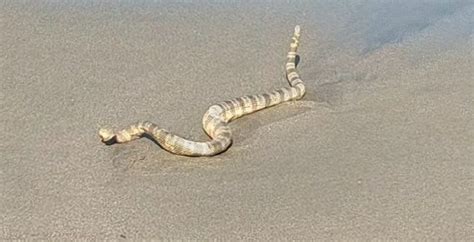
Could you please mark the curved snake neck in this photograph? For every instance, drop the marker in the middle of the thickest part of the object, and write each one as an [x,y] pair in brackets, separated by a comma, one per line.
[215,120]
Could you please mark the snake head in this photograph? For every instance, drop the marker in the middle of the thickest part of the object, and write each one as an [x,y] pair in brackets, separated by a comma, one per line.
[107,136]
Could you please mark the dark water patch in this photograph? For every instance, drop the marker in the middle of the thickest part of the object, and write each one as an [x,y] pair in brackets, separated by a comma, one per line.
[380,23]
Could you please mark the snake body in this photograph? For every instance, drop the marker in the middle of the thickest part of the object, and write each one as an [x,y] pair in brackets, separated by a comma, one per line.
[215,120]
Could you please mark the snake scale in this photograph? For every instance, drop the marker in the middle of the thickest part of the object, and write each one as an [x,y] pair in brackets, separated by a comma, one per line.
[215,120]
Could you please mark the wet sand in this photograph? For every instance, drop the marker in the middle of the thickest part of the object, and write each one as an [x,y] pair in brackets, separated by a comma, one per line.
[379,148]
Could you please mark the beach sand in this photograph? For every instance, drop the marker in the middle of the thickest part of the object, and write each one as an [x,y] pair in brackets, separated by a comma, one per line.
[379,148]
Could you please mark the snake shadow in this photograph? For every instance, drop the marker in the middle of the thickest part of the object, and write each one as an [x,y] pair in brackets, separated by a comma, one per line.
[244,128]
[145,157]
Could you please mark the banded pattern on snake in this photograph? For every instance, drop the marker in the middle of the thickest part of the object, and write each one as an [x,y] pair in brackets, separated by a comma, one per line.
[215,120]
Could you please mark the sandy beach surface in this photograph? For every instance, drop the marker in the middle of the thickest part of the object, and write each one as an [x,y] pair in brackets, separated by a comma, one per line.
[381,146]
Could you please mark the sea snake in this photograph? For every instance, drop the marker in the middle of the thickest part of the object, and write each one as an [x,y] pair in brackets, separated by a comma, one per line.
[215,120]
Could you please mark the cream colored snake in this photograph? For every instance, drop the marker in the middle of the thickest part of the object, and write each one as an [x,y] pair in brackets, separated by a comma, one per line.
[215,120]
